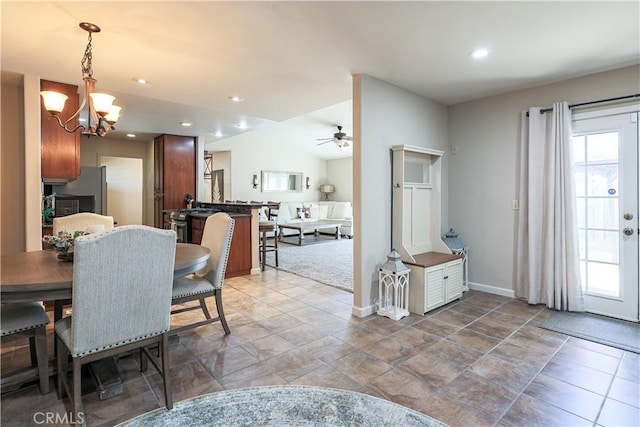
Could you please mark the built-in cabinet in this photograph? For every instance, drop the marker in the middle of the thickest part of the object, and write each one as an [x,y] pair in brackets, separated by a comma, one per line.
[60,150]
[239,262]
[436,274]
[174,173]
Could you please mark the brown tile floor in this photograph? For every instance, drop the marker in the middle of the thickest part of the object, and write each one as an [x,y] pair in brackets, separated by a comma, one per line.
[480,361]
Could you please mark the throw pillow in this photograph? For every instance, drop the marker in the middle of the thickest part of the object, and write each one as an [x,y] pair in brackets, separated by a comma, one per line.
[340,210]
[323,211]
[304,212]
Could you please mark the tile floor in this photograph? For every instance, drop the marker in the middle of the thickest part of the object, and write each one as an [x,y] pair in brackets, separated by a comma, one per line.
[481,361]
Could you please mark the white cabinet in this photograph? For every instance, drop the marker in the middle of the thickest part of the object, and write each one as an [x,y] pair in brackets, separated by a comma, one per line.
[435,280]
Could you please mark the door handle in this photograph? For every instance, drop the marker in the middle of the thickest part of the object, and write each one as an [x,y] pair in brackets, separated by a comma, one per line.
[628,216]
[628,231]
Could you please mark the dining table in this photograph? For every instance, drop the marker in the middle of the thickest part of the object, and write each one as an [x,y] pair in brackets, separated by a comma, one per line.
[42,276]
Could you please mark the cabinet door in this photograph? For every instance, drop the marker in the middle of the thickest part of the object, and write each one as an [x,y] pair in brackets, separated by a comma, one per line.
[60,150]
[239,262]
[197,227]
[179,170]
[453,275]
[435,283]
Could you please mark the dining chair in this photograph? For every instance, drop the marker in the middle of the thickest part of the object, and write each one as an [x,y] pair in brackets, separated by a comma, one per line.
[121,290]
[208,282]
[82,221]
[28,319]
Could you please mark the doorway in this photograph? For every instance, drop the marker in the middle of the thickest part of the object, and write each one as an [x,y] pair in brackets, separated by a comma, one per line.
[124,189]
[606,174]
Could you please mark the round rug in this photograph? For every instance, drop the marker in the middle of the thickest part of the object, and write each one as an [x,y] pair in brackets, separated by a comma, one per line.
[284,406]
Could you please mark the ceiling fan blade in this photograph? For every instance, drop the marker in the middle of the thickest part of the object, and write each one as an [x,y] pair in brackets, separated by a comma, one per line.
[322,143]
[347,138]
[324,139]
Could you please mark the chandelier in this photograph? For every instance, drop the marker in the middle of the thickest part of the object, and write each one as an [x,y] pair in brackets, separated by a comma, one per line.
[102,112]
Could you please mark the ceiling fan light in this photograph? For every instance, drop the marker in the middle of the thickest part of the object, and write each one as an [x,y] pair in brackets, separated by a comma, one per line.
[53,101]
[102,103]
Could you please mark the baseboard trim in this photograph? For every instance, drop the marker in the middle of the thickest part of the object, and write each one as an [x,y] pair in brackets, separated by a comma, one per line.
[492,289]
[363,311]
[256,270]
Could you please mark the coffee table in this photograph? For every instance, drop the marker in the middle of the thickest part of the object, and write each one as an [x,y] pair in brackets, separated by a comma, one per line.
[301,227]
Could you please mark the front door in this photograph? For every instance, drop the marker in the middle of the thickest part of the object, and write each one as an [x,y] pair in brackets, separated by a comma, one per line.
[606,173]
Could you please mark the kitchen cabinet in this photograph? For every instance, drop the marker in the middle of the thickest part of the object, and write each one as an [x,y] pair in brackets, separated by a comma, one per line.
[174,173]
[239,262]
[60,150]
[435,280]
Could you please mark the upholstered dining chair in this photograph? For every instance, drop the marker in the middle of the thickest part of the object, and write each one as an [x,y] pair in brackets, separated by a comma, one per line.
[28,319]
[82,221]
[122,282]
[208,282]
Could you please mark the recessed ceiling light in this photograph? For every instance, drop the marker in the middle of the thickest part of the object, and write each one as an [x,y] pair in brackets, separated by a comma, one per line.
[479,53]
[235,98]
[131,135]
[218,134]
[186,124]
[141,81]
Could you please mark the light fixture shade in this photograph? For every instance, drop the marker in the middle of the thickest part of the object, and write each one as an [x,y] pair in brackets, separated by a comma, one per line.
[327,188]
[53,101]
[113,115]
[102,102]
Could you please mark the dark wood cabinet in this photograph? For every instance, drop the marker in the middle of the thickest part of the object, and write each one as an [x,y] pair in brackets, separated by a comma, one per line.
[239,262]
[174,173]
[60,150]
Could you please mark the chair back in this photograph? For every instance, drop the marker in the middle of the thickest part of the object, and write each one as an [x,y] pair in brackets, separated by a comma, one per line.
[273,210]
[122,285]
[216,236]
[80,222]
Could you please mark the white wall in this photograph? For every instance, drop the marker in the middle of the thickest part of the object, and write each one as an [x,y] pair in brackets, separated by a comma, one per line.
[340,174]
[483,177]
[267,149]
[385,115]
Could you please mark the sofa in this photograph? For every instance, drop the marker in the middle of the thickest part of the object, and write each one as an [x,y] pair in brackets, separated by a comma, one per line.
[296,212]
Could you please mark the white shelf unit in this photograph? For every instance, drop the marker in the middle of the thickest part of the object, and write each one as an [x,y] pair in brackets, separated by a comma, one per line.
[436,273]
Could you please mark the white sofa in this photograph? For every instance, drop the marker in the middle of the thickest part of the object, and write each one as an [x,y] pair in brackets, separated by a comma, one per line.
[340,212]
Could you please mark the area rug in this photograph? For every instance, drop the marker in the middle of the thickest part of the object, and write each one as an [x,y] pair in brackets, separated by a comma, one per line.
[329,262]
[604,330]
[284,406]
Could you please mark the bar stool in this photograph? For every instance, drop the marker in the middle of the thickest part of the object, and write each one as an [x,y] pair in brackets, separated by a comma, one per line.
[265,227]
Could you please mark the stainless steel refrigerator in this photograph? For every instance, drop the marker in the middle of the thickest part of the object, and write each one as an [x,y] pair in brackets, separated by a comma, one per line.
[91,182]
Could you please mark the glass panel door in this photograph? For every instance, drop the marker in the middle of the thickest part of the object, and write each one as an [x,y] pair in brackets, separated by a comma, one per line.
[605,153]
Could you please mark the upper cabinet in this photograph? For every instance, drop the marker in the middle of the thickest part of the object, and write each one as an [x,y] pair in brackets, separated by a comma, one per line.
[60,155]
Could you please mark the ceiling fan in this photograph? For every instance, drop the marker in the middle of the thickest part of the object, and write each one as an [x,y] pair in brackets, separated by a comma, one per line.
[340,138]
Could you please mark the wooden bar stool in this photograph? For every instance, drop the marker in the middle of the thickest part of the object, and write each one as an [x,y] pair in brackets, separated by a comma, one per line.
[265,227]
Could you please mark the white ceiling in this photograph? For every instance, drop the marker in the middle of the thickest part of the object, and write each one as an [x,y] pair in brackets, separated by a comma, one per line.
[287,59]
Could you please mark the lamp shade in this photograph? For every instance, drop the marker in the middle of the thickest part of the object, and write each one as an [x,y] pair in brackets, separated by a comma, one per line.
[327,188]
[102,102]
[113,115]
[53,101]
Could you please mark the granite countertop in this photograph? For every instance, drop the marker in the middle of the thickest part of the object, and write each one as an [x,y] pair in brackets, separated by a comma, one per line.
[285,406]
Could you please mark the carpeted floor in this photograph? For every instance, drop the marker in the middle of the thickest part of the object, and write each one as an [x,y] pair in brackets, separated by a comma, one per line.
[329,262]
[601,329]
[285,406]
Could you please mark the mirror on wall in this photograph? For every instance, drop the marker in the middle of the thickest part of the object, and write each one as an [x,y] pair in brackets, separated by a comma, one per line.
[281,182]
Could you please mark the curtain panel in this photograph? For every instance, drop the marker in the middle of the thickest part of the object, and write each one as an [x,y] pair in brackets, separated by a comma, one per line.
[547,260]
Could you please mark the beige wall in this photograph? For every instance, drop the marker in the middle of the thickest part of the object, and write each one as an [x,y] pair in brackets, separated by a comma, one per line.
[92,148]
[12,199]
[483,177]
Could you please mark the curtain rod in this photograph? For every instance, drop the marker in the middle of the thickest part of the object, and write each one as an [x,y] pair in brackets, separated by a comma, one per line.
[635,95]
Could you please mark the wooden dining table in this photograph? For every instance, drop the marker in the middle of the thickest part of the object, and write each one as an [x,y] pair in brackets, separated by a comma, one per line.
[41,276]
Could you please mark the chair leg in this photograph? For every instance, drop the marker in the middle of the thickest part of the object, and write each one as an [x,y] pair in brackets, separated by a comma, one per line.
[166,375]
[41,356]
[275,245]
[221,312]
[205,310]
[78,411]
[263,249]
[62,357]
[144,362]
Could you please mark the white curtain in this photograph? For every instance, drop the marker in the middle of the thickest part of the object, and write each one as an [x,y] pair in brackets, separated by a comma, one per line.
[548,269]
